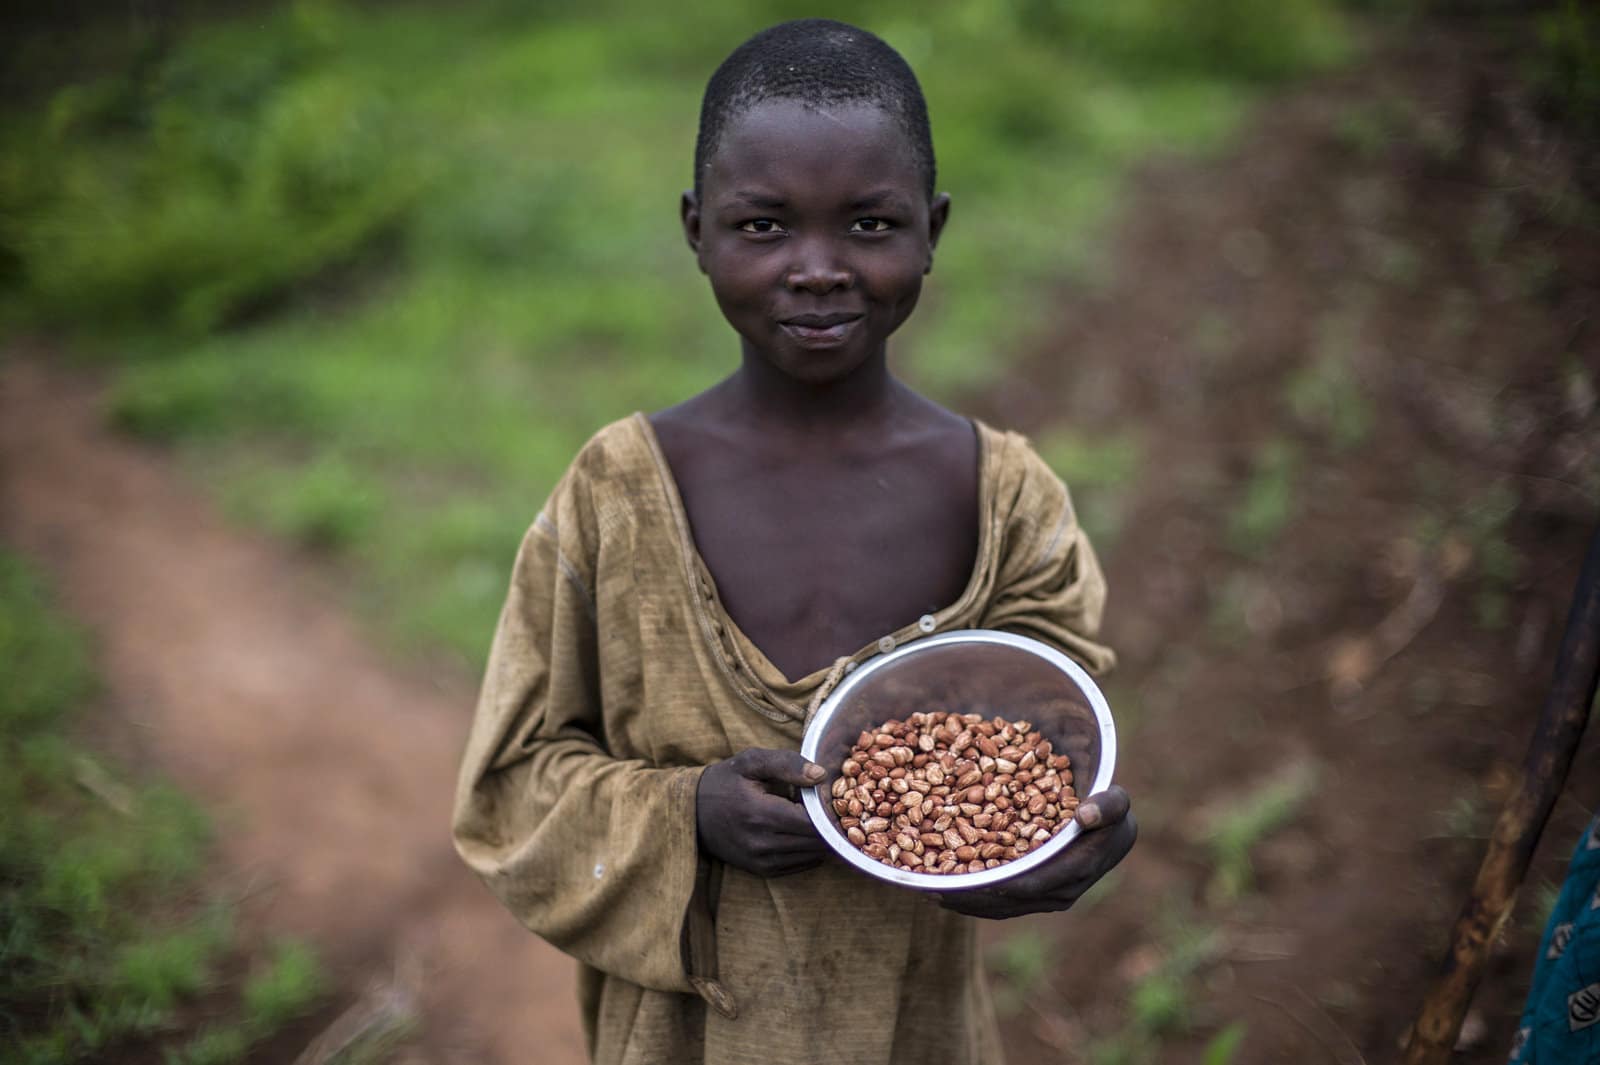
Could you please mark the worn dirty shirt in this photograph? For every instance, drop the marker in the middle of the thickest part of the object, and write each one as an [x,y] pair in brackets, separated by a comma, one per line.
[616,676]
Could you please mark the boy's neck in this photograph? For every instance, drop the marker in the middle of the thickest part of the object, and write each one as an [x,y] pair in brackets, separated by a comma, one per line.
[779,401]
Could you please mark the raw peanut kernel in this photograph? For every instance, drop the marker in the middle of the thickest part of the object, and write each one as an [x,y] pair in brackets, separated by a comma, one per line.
[941,794]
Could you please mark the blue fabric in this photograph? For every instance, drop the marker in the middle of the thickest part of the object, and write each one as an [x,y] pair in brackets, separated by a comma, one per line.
[1561,1022]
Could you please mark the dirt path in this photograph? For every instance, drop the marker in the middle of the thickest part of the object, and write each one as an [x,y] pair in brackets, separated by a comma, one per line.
[328,768]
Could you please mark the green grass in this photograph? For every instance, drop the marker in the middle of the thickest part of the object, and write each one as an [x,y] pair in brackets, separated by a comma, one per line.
[1482,525]
[1235,831]
[381,270]
[1567,65]
[1018,965]
[1224,1046]
[1162,1004]
[106,941]
[284,987]
[1100,472]
[1267,500]
[1324,396]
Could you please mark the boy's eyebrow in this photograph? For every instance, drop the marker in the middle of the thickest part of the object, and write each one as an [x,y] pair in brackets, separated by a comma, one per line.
[880,198]
[757,199]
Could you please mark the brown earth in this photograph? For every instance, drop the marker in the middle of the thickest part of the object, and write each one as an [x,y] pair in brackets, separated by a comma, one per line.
[1386,282]
[1400,249]
[327,767]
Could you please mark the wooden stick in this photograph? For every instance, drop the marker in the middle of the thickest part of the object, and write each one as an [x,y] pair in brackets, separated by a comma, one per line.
[1517,832]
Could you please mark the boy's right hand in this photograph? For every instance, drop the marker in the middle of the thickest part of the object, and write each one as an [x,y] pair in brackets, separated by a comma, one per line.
[746,815]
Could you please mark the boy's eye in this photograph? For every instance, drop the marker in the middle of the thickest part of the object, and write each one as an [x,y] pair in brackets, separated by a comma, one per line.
[871,225]
[761,226]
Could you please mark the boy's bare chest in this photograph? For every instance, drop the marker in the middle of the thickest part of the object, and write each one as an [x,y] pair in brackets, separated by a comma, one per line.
[816,560]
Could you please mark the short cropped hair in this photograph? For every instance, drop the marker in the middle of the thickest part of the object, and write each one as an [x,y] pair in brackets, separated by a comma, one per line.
[817,62]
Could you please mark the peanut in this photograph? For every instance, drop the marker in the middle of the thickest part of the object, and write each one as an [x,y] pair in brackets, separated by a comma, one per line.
[942,793]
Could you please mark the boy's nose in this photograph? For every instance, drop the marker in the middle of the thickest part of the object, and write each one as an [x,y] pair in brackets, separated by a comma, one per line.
[817,270]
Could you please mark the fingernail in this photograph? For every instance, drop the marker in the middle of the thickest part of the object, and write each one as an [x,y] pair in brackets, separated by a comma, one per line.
[815,771]
[1089,815]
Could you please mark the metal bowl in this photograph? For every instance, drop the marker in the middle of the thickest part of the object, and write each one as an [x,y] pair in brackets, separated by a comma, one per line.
[972,671]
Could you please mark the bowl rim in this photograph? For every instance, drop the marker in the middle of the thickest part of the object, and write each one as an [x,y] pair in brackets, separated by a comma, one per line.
[812,796]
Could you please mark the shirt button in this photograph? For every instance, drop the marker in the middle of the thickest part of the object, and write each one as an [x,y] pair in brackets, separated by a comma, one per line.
[849,667]
[886,644]
[926,623]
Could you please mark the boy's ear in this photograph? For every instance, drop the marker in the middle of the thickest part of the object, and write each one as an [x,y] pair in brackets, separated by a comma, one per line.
[689,211]
[938,215]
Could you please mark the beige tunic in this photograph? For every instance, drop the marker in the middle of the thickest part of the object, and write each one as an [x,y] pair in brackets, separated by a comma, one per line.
[615,676]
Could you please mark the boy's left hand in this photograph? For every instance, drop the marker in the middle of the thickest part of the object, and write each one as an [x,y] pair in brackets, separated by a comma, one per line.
[1108,834]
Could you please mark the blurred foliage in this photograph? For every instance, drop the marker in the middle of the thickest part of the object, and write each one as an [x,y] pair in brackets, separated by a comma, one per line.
[1267,501]
[1234,832]
[1324,395]
[103,944]
[1162,1001]
[1018,965]
[416,254]
[1100,472]
[1224,1046]
[284,987]
[1567,66]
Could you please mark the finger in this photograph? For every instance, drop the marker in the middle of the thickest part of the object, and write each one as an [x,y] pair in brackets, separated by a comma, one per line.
[779,767]
[771,853]
[1103,808]
[776,815]
[1075,870]
[1082,864]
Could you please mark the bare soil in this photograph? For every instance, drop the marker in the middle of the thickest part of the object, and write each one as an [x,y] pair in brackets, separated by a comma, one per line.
[233,667]
[1378,640]
[1392,636]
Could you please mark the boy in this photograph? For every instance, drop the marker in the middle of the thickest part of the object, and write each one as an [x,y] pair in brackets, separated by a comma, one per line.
[700,578]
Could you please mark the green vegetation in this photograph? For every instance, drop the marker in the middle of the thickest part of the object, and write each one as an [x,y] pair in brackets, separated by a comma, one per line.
[1325,397]
[1224,1046]
[1267,501]
[1567,65]
[1018,965]
[381,270]
[1234,833]
[96,956]
[287,986]
[1482,526]
[1099,471]
[1161,1002]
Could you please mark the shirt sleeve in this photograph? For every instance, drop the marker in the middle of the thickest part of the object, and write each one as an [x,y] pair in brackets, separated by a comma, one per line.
[1049,583]
[596,854]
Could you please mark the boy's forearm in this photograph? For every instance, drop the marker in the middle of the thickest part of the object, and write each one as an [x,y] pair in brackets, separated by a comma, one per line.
[596,855]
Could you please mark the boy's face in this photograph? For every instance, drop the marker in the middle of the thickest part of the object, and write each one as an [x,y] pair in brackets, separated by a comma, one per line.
[815,229]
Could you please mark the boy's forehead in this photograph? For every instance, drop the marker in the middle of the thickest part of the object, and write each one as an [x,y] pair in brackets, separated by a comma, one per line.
[777,140]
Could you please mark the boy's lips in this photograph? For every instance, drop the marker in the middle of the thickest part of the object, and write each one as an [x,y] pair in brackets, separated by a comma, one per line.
[820,330]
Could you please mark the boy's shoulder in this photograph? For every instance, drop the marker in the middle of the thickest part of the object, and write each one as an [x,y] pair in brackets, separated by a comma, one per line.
[1015,459]
[618,449]
[613,467]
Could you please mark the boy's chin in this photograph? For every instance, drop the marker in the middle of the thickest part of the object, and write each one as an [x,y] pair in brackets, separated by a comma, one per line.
[808,365]
[815,369]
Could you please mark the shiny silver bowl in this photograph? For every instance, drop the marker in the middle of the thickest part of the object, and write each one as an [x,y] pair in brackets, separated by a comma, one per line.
[971,671]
